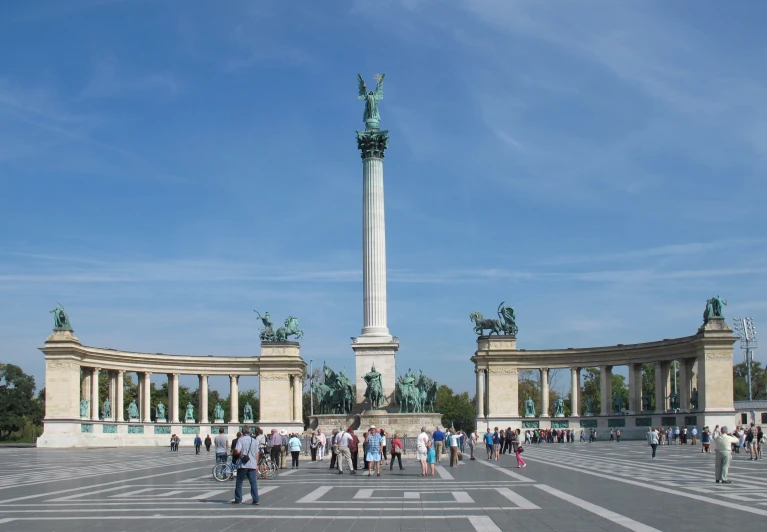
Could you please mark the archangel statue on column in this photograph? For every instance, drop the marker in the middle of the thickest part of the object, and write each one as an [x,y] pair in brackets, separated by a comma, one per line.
[371,116]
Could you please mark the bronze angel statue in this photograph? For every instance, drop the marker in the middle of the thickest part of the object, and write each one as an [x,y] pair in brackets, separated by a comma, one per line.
[371,116]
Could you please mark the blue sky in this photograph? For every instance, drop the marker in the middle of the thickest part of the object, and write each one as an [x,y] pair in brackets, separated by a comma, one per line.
[168,167]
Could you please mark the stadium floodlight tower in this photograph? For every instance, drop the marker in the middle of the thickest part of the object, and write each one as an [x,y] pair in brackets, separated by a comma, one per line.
[744,327]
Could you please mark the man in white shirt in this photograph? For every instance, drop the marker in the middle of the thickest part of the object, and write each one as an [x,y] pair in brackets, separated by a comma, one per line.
[453,442]
[420,452]
[344,439]
[653,437]
[723,446]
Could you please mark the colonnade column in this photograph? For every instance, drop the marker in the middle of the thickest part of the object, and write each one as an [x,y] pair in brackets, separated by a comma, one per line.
[685,378]
[606,389]
[575,392]
[146,398]
[202,390]
[635,388]
[297,397]
[173,392]
[95,394]
[480,398]
[85,385]
[544,392]
[661,383]
[120,396]
[234,396]
[112,392]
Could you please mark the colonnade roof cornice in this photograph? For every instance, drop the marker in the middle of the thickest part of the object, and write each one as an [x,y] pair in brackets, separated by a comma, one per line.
[162,363]
[615,355]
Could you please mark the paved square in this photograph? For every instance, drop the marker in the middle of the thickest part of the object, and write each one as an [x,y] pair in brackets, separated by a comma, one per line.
[567,487]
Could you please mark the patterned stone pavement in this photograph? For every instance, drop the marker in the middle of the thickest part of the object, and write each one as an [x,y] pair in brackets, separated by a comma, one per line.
[567,487]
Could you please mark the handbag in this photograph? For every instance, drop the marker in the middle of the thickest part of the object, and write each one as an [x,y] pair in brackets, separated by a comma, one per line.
[245,458]
[520,449]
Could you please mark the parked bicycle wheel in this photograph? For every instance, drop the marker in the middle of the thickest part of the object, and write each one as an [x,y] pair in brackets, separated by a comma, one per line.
[272,470]
[222,472]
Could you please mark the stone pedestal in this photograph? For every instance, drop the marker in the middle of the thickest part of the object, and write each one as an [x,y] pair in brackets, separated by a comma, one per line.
[371,352]
[221,421]
[133,420]
[282,369]
[400,424]
[161,420]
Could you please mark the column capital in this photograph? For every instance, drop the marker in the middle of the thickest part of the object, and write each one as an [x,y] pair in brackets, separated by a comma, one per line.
[372,143]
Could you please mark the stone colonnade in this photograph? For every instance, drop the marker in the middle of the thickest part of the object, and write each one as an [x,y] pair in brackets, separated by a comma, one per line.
[709,353]
[72,376]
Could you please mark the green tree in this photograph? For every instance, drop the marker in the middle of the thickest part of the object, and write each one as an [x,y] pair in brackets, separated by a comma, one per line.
[17,400]
[648,382]
[592,388]
[457,409]
[758,381]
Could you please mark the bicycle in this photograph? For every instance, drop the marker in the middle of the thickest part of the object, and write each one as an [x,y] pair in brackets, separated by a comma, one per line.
[224,471]
[267,469]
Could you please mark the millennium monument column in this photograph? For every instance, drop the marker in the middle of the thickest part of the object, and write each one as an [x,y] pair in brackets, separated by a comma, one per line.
[375,347]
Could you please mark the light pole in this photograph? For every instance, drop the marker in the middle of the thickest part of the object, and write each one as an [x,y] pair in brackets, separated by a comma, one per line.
[311,388]
[746,331]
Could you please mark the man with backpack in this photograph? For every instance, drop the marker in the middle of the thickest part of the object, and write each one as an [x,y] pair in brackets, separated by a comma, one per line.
[197,444]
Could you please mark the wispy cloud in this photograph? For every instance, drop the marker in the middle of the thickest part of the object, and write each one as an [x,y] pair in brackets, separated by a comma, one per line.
[111,80]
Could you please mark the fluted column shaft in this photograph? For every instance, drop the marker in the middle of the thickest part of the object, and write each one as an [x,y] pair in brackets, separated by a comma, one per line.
[374,249]
[173,391]
[606,389]
[203,391]
[95,394]
[544,392]
[480,393]
[146,401]
[575,391]
[234,399]
[661,386]
[120,396]
[297,398]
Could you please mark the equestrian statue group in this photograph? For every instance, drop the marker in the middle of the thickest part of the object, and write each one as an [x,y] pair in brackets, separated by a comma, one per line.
[281,334]
[336,394]
[505,324]
[416,395]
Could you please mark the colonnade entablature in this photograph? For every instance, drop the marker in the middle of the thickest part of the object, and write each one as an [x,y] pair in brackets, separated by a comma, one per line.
[74,410]
[705,380]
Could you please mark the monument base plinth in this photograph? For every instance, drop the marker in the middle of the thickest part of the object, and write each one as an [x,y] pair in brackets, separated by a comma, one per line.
[392,423]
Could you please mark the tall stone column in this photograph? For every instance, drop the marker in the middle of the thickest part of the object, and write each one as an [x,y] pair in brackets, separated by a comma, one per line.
[606,389]
[480,399]
[95,394]
[146,402]
[544,392]
[120,396]
[375,345]
[173,392]
[203,392]
[234,399]
[661,383]
[575,392]
[297,398]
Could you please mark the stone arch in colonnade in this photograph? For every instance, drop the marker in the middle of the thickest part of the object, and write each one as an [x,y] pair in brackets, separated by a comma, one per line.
[73,408]
[704,392]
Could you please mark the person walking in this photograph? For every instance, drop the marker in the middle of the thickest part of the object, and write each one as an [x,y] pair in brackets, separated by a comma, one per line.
[453,441]
[275,442]
[321,441]
[694,434]
[618,436]
[723,446]
[473,440]
[294,444]
[488,444]
[283,447]
[373,455]
[208,443]
[246,453]
[333,444]
[516,446]
[344,440]
[653,437]
[197,444]
[422,449]
[354,448]
[496,445]
[431,458]
[383,446]
[705,440]
[396,451]
[221,446]
[313,446]
[439,442]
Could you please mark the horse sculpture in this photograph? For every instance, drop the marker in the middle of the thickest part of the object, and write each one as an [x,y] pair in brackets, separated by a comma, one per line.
[290,329]
[505,324]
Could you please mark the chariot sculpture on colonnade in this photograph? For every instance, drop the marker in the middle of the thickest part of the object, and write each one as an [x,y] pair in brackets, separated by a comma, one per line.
[281,334]
[505,324]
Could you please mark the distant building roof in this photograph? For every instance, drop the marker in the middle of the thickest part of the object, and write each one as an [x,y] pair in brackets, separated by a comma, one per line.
[750,405]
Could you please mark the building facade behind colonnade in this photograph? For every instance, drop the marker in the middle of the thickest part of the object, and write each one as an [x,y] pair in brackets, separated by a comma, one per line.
[74,417]
[704,396]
